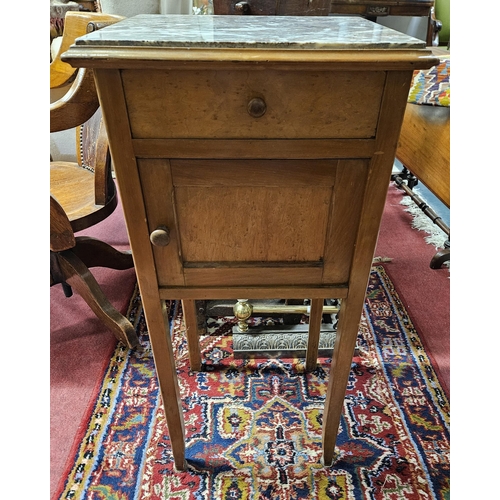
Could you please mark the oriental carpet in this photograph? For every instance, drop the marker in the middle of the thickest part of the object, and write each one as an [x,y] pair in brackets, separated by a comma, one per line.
[253,427]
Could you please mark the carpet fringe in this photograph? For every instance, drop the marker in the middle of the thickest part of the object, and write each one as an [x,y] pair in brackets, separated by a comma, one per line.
[379,259]
[436,236]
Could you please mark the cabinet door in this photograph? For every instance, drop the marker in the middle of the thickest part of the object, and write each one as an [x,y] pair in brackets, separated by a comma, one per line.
[254,222]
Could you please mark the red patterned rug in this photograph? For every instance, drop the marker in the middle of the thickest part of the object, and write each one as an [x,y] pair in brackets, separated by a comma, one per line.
[253,427]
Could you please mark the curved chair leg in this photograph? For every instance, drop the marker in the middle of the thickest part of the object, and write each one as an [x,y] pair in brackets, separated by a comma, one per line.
[77,275]
[440,258]
[97,253]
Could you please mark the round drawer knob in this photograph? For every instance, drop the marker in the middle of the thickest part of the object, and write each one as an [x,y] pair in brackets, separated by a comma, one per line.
[256,107]
[241,8]
[160,237]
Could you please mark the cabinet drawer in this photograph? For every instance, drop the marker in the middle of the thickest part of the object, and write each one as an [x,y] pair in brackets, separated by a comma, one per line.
[230,104]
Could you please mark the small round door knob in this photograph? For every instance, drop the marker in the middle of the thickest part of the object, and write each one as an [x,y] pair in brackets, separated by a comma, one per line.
[242,8]
[256,107]
[160,237]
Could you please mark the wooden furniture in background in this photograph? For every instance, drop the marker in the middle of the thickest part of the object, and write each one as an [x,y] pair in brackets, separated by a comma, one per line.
[75,25]
[377,8]
[424,150]
[371,9]
[272,7]
[424,147]
[58,12]
[442,15]
[252,169]
[83,193]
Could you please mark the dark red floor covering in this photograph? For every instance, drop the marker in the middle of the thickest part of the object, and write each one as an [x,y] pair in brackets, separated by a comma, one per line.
[81,346]
[424,291]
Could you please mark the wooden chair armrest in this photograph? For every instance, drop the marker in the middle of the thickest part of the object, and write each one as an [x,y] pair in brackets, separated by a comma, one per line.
[77,105]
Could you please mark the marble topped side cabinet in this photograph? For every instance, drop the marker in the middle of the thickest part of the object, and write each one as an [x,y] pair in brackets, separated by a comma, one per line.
[253,156]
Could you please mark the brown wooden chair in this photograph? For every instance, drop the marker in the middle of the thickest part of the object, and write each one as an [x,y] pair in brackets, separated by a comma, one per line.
[75,25]
[83,193]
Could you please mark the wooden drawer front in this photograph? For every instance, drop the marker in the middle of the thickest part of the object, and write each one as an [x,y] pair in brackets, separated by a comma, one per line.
[214,104]
[251,222]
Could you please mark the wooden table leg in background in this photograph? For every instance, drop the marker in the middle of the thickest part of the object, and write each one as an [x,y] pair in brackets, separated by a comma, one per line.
[192,335]
[314,332]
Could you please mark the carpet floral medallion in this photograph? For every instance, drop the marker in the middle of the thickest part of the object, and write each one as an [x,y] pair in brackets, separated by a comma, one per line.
[253,427]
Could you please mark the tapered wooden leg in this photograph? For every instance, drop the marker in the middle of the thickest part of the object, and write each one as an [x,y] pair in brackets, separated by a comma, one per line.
[161,345]
[193,339]
[314,332]
[343,351]
[77,275]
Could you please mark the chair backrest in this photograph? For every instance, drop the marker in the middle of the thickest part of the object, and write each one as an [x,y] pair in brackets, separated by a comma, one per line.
[80,102]
[79,109]
[92,149]
[75,25]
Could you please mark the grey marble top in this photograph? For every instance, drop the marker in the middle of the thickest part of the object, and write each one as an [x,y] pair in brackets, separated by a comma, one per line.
[294,32]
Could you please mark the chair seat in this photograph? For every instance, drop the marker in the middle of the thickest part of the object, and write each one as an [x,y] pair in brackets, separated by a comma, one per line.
[73,187]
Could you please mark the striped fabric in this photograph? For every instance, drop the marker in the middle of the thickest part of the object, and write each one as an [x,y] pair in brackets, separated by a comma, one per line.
[432,86]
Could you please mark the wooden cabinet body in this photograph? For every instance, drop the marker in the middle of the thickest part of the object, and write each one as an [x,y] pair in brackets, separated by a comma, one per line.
[265,147]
